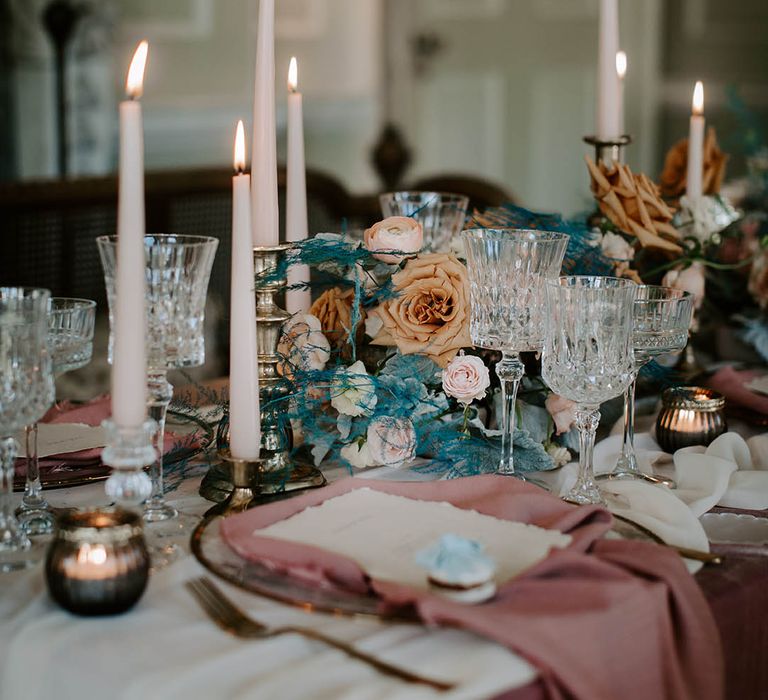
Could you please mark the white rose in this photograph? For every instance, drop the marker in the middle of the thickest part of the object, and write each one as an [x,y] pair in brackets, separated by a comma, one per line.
[352,391]
[303,343]
[358,455]
[466,378]
[615,247]
[560,455]
[391,441]
[394,238]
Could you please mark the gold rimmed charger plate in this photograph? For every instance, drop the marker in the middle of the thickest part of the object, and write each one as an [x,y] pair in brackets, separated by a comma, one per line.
[210,549]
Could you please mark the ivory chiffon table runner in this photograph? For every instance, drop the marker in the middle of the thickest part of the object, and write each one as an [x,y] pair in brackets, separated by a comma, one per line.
[598,618]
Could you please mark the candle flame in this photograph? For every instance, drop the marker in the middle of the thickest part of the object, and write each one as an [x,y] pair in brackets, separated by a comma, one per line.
[293,75]
[92,554]
[698,98]
[621,64]
[240,148]
[134,85]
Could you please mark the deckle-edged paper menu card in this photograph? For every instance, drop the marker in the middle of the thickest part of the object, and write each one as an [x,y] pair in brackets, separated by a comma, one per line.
[383,533]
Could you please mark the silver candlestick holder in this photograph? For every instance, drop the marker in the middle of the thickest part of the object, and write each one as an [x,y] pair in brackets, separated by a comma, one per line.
[280,472]
[129,450]
[609,150]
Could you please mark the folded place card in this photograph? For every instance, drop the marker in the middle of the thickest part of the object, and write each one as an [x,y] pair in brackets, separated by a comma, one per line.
[64,438]
[383,533]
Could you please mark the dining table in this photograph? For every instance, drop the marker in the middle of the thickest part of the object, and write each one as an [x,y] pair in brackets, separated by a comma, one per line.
[166,646]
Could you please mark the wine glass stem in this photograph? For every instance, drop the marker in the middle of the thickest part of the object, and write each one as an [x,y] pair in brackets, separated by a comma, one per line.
[160,394]
[587,420]
[627,461]
[9,533]
[509,371]
[32,490]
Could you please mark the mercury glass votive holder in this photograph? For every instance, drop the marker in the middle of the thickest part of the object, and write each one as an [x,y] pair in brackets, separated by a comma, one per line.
[98,563]
[690,415]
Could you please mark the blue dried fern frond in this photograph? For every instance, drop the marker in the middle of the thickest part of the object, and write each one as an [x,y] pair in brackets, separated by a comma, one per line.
[583,255]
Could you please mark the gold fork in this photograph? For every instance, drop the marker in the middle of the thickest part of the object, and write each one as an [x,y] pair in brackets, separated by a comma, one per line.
[234,621]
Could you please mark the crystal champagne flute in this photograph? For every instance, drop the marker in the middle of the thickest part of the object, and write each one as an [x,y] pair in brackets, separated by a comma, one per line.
[26,392]
[70,345]
[661,319]
[507,271]
[178,271]
[588,356]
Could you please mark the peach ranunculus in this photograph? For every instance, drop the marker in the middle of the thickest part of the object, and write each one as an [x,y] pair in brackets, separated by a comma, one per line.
[466,378]
[394,238]
[563,412]
[430,314]
[333,308]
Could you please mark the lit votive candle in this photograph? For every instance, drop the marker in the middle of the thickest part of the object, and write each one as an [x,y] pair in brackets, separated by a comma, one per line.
[690,415]
[98,562]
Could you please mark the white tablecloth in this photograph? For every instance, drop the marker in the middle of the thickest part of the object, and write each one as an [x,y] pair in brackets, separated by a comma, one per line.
[167,648]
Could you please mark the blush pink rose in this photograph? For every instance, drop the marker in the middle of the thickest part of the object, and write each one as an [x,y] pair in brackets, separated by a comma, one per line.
[689,280]
[563,412]
[391,441]
[394,239]
[466,378]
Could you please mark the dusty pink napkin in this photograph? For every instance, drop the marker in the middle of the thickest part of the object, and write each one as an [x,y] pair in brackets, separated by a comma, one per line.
[601,620]
[730,384]
[91,413]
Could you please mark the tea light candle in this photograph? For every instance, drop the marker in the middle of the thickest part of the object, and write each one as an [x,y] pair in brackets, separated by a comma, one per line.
[98,563]
[690,415]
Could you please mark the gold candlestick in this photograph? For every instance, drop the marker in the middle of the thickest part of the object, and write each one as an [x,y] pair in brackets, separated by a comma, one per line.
[280,472]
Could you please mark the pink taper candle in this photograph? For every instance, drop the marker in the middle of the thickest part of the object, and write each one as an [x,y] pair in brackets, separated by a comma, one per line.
[129,358]
[608,127]
[265,217]
[244,413]
[695,175]
[297,300]
[621,71]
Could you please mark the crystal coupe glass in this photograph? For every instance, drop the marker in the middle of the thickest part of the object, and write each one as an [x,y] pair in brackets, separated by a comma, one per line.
[662,317]
[441,214]
[70,345]
[178,271]
[26,392]
[507,273]
[588,356]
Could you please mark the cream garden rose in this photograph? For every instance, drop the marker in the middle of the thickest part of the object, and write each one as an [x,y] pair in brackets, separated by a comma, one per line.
[352,391]
[466,379]
[391,441]
[394,239]
[358,455]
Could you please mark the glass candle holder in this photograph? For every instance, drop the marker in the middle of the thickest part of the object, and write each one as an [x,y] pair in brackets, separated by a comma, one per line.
[98,563]
[690,415]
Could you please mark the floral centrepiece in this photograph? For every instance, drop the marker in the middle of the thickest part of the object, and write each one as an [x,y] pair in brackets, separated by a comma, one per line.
[397,378]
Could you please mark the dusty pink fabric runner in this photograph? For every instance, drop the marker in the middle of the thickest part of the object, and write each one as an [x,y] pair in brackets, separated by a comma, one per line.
[601,620]
[730,384]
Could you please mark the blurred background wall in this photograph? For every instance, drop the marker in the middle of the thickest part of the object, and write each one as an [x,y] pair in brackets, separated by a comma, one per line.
[503,89]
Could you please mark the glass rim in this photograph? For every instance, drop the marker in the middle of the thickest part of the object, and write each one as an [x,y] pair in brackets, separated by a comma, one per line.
[514,233]
[26,292]
[692,398]
[190,240]
[77,303]
[675,296]
[446,195]
[561,282]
